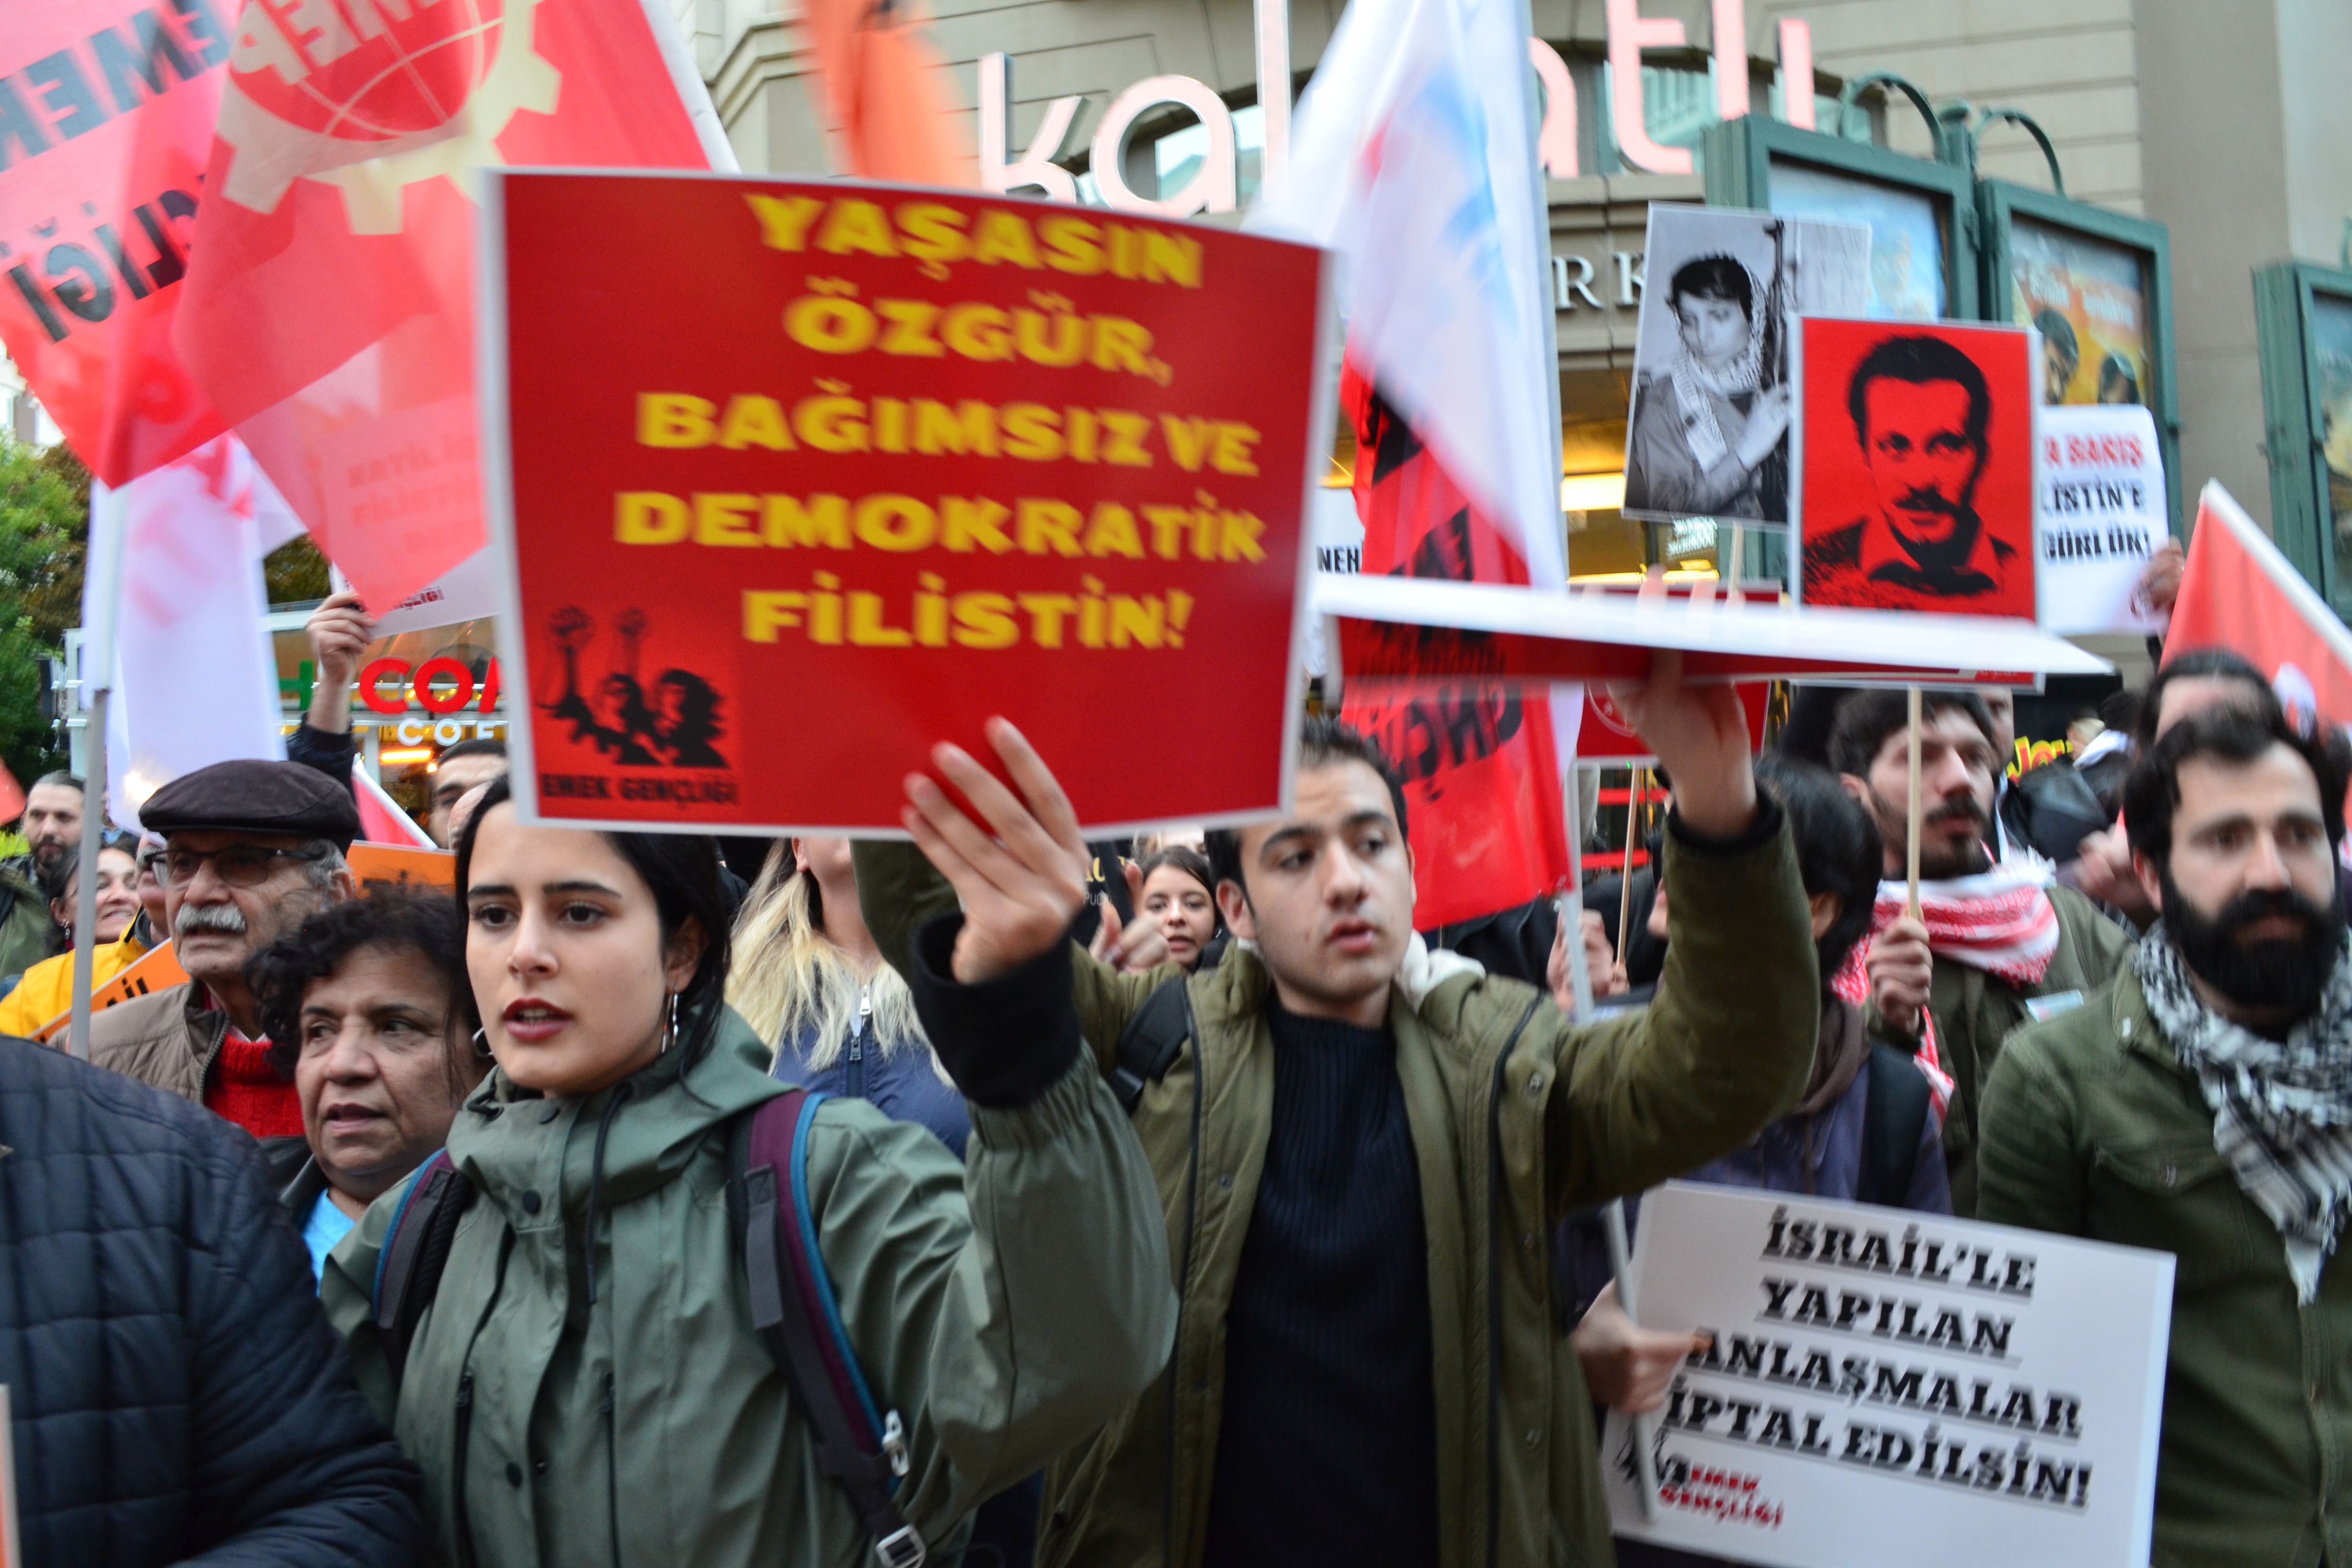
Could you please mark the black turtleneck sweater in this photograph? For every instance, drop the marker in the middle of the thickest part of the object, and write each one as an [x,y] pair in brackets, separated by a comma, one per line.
[1329,1448]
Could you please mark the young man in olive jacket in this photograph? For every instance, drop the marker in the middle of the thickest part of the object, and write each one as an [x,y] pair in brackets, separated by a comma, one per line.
[1361,1148]
[2203,1107]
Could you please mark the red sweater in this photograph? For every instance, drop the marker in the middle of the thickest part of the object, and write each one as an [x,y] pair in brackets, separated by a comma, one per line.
[243,1088]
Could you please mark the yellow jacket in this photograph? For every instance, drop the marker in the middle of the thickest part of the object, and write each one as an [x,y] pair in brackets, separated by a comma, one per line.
[47,989]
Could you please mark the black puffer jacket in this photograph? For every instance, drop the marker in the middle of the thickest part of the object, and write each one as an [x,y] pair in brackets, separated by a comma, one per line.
[177,1395]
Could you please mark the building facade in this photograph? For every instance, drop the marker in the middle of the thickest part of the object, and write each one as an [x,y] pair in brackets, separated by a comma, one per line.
[2222,120]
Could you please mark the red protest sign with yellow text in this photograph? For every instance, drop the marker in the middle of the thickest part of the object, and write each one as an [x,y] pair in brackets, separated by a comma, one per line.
[799,479]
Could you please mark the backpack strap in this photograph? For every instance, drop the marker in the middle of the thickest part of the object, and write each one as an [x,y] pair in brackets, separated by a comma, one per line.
[1894,1120]
[415,1251]
[796,1312]
[1151,1041]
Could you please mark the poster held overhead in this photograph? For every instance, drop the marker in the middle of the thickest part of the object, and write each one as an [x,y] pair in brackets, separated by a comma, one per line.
[1915,467]
[900,462]
[1401,628]
[1707,434]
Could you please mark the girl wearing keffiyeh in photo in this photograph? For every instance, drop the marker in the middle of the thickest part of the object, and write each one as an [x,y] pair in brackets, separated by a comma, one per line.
[1703,432]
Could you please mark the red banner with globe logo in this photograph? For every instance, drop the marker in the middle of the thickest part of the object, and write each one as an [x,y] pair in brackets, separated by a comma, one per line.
[330,304]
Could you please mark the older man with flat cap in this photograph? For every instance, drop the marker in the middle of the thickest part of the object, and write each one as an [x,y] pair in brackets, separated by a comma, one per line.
[251,848]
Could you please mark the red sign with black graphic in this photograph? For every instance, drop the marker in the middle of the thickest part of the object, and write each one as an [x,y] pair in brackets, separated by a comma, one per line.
[841,472]
[1915,470]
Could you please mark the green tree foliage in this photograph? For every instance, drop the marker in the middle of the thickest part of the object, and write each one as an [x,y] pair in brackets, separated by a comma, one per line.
[295,571]
[44,533]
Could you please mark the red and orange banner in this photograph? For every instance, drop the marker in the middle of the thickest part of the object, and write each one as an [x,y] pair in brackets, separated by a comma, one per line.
[106,120]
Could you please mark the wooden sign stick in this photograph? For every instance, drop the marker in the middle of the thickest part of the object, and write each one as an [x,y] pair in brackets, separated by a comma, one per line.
[1625,880]
[1911,847]
[1643,1428]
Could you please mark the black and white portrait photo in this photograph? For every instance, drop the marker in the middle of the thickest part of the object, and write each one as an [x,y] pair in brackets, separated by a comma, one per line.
[1708,433]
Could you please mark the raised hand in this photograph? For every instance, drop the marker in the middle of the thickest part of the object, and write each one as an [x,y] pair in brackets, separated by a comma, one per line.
[1023,877]
[339,631]
[1700,736]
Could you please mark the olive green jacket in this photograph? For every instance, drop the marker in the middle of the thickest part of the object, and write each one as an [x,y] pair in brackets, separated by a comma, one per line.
[24,924]
[2094,1128]
[1004,1310]
[1518,1117]
[1975,1012]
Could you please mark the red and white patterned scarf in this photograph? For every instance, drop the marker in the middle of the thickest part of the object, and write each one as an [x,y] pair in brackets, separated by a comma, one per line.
[2001,922]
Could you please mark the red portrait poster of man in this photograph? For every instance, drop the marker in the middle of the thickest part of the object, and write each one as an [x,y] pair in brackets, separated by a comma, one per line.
[802,479]
[1917,466]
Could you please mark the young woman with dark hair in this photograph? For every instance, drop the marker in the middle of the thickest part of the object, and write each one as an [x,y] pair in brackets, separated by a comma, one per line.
[587,1385]
[1179,892]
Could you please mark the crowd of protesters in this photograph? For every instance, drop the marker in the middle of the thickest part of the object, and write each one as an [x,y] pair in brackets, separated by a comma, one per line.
[415,1227]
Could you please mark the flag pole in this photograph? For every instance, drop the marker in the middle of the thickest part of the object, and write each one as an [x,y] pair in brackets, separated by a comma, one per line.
[1911,842]
[1273,20]
[103,560]
[1645,1467]
[1625,878]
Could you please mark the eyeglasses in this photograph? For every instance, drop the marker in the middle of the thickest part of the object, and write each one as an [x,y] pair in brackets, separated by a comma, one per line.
[239,864]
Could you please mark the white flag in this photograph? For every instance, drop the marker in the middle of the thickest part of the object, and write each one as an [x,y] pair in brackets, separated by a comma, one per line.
[1412,159]
[195,679]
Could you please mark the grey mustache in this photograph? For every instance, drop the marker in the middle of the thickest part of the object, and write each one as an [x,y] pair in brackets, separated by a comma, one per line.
[225,919]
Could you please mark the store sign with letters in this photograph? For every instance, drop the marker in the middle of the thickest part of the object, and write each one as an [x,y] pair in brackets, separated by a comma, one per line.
[1884,1386]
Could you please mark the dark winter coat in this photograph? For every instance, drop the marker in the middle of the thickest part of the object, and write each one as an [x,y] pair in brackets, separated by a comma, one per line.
[176,1394]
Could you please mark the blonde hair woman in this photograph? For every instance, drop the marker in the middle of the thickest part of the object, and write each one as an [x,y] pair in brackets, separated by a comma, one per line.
[807,976]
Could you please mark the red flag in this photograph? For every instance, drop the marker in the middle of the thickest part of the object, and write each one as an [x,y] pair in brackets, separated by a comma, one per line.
[2238,591]
[883,85]
[1482,799]
[12,796]
[106,120]
[329,309]
[381,821]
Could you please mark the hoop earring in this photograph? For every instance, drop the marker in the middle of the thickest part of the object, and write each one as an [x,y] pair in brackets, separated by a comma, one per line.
[482,1046]
[670,1036]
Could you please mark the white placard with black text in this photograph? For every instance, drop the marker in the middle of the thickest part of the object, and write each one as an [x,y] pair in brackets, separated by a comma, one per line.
[2099,512]
[1886,1387]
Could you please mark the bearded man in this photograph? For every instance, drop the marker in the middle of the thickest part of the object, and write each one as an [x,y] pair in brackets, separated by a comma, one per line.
[2203,1107]
[1996,945]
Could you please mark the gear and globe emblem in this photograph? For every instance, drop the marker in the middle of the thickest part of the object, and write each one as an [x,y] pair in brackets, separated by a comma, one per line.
[372,96]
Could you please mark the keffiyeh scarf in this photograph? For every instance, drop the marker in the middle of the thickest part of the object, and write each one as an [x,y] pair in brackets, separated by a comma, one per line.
[2281,1108]
[1694,381]
[2000,921]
